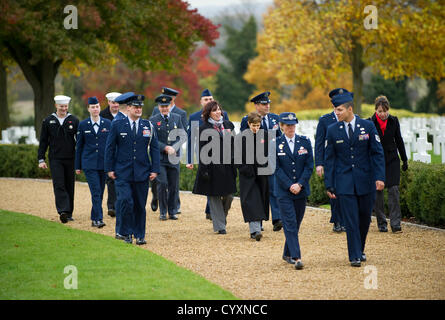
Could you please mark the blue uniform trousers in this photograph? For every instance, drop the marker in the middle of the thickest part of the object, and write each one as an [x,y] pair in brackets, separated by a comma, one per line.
[96,183]
[168,189]
[274,208]
[356,212]
[292,212]
[336,216]
[131,202]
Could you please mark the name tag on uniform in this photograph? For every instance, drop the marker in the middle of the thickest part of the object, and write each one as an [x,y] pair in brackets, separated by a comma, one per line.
[339,141]
[281,153]
[87,131]
[52,121]
[123,134]
[363,137]
[146,133]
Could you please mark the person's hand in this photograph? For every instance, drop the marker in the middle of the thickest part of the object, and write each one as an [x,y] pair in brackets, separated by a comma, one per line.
[78,171]
[189,166]
[153,176]
[405,166]
[320,171]
[295,188]
[379,185]
[42,165]
[112,175]
[331,193]
[169,150]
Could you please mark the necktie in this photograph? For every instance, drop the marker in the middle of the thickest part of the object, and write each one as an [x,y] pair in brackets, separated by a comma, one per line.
[95,127]
[134,129]
[264,123]
[291,146]
[350,132]
[166,118]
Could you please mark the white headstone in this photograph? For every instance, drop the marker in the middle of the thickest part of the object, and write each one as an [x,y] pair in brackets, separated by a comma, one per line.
[422,146]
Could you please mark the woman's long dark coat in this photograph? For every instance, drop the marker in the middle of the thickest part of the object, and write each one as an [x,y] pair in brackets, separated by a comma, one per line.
[391,142]
[254,188]
[216,179]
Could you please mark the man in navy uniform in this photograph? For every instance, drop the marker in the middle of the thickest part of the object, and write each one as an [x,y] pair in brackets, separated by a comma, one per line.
[269,121]
[110,112]
[183,115]
[320,137]
[294,168]
[168,180]
[354,167]
[59,134]
[126,160]
[195,121]
[90,149]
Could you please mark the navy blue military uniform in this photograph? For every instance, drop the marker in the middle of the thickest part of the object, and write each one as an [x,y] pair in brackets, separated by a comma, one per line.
[352,167]
[291,168]
[269,122]
[90,151]
[168,179]
[126,154]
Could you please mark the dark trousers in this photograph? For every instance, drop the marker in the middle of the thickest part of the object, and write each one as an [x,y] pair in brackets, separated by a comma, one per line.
[154,189]
[111,201]
[336,216]
[356,212]
[395,215]
[131,199]
[96,183]
[292,213]
[62,173]
[274,208]
[167,189]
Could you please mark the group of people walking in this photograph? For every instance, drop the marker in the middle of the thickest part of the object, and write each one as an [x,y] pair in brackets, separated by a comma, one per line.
[118,148]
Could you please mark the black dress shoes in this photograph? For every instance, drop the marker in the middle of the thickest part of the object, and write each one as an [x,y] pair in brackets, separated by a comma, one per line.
[277,225]
[128,239]
[222,232]
[356,263]
[172,217]
[154,204]
[396,229]
[111,212]
[208,216]
[163,217]
[140,241]
[363,257]
[119,236]
[298,264]
[383,229]
[289,260]
[98,224]
[337,227]
[64,217]
[70,218]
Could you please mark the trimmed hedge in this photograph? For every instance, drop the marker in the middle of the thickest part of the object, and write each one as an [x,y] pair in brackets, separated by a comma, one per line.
[422,187]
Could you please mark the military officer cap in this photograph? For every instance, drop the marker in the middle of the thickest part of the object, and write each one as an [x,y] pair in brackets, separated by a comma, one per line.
[61,99]
[93,100]
[261,98]
[169,91]
[206,93]
[163,100]
[337,91]
[288,118]
[342,98]
[112,96]
[123,98]
[136,100]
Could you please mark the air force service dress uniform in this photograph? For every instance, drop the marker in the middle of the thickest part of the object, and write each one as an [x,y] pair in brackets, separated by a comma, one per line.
[90,151]
[294,164]
[168,179]
[269,122]
[354,161]
[60,136]
[126,154]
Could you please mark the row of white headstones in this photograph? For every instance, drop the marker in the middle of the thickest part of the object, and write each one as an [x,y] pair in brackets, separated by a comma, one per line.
[414,133]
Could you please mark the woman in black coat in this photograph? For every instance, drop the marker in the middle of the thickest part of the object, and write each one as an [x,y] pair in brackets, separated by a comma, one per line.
[254,188]
[216,175]
[388,128]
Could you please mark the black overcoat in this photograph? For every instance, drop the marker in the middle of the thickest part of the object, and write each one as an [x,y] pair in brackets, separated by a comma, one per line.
[391,142]
[216,179]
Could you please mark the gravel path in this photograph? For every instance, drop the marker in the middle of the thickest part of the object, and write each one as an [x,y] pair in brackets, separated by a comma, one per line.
[406,266]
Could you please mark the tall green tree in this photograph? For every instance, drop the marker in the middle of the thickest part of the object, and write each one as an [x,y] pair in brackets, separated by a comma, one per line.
[394,90]
[232,90]
[40,35]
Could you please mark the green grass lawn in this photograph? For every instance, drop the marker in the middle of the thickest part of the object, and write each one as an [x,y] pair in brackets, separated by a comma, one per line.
[434,158]
[34,253]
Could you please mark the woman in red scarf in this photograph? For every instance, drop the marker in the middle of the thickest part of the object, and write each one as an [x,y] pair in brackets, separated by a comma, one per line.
[388,128]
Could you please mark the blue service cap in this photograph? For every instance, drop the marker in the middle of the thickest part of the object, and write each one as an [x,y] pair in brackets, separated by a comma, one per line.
[93,100]
[136,100]
[342,98]
[122,99]
[261,98]
[288,118]
[169,91]
[206,93]
[337,91]
[163,100]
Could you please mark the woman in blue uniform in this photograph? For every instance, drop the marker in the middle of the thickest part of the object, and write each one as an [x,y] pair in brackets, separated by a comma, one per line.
[90,149]
[294,166]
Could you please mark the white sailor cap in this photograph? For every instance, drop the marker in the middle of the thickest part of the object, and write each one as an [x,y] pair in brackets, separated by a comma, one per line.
[112,95]
[61,99]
